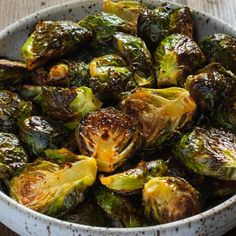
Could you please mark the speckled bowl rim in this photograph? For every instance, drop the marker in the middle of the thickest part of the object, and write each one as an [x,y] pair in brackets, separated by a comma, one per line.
[187,221]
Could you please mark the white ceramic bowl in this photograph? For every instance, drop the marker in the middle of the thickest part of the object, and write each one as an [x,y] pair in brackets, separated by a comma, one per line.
[24,221]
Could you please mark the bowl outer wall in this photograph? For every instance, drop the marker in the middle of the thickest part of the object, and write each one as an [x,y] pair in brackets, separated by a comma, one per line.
[24,221]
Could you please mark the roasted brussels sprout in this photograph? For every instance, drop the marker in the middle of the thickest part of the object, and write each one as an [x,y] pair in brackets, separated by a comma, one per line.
[127,10]
[110,77]
[12,72]
[52,189]
[160,112]
[181,22]
[52,39]
[63,73]
[176,57]
[119,207]
[87,213]
[168,199]
[226,115]
[31,93]
[104,25]
[12,109]
[208,151]
[68,104]
[133,49]
[155,25]
[12,155]
[211,86]
[40,133]
[220,48]
[111,141]
[132,180]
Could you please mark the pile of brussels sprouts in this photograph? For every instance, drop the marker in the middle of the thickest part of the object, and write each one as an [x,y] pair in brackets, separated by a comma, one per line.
[119,116]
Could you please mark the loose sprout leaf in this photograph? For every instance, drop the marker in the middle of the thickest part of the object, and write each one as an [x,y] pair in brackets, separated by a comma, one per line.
[111,141]
[134,179]
[52,189]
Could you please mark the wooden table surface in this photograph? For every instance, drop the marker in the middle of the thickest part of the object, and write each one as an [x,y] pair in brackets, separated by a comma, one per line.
[11,10]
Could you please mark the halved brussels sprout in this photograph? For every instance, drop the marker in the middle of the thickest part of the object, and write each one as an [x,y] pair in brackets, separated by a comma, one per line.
[40,133]
[155,25]
[52,189]
[12,155]
[220,48]
[119,207]
[12,109]
[127,10]
[110,77]
[176,57]
[63,73]
[160,112]
[133,49]
[130,181]
[87,213]
[109,136]
[104,25]
[12,72]
[168,199]
[52,39]
[68,104]
[209,151]
[211,86]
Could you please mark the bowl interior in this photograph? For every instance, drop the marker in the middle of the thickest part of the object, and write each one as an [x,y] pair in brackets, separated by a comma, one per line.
[11,40]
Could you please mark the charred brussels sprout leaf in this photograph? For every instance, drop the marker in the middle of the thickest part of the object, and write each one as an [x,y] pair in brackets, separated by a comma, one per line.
[160,112]
[134,179]
[168,199]
[111,141]
[12,155]
[127,10]
[209,151]
[155,25]
[119,207]
[52,39]
[220,48]
[12,109]
[104,25]
[211,86]
[52,189]
[176,57]
[110,77]
[87,213]
[40,133]
[12,72]
[69,104]
[63,73]
[133,49]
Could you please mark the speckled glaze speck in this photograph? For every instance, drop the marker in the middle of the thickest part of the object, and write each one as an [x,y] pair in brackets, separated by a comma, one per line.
[24,221]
